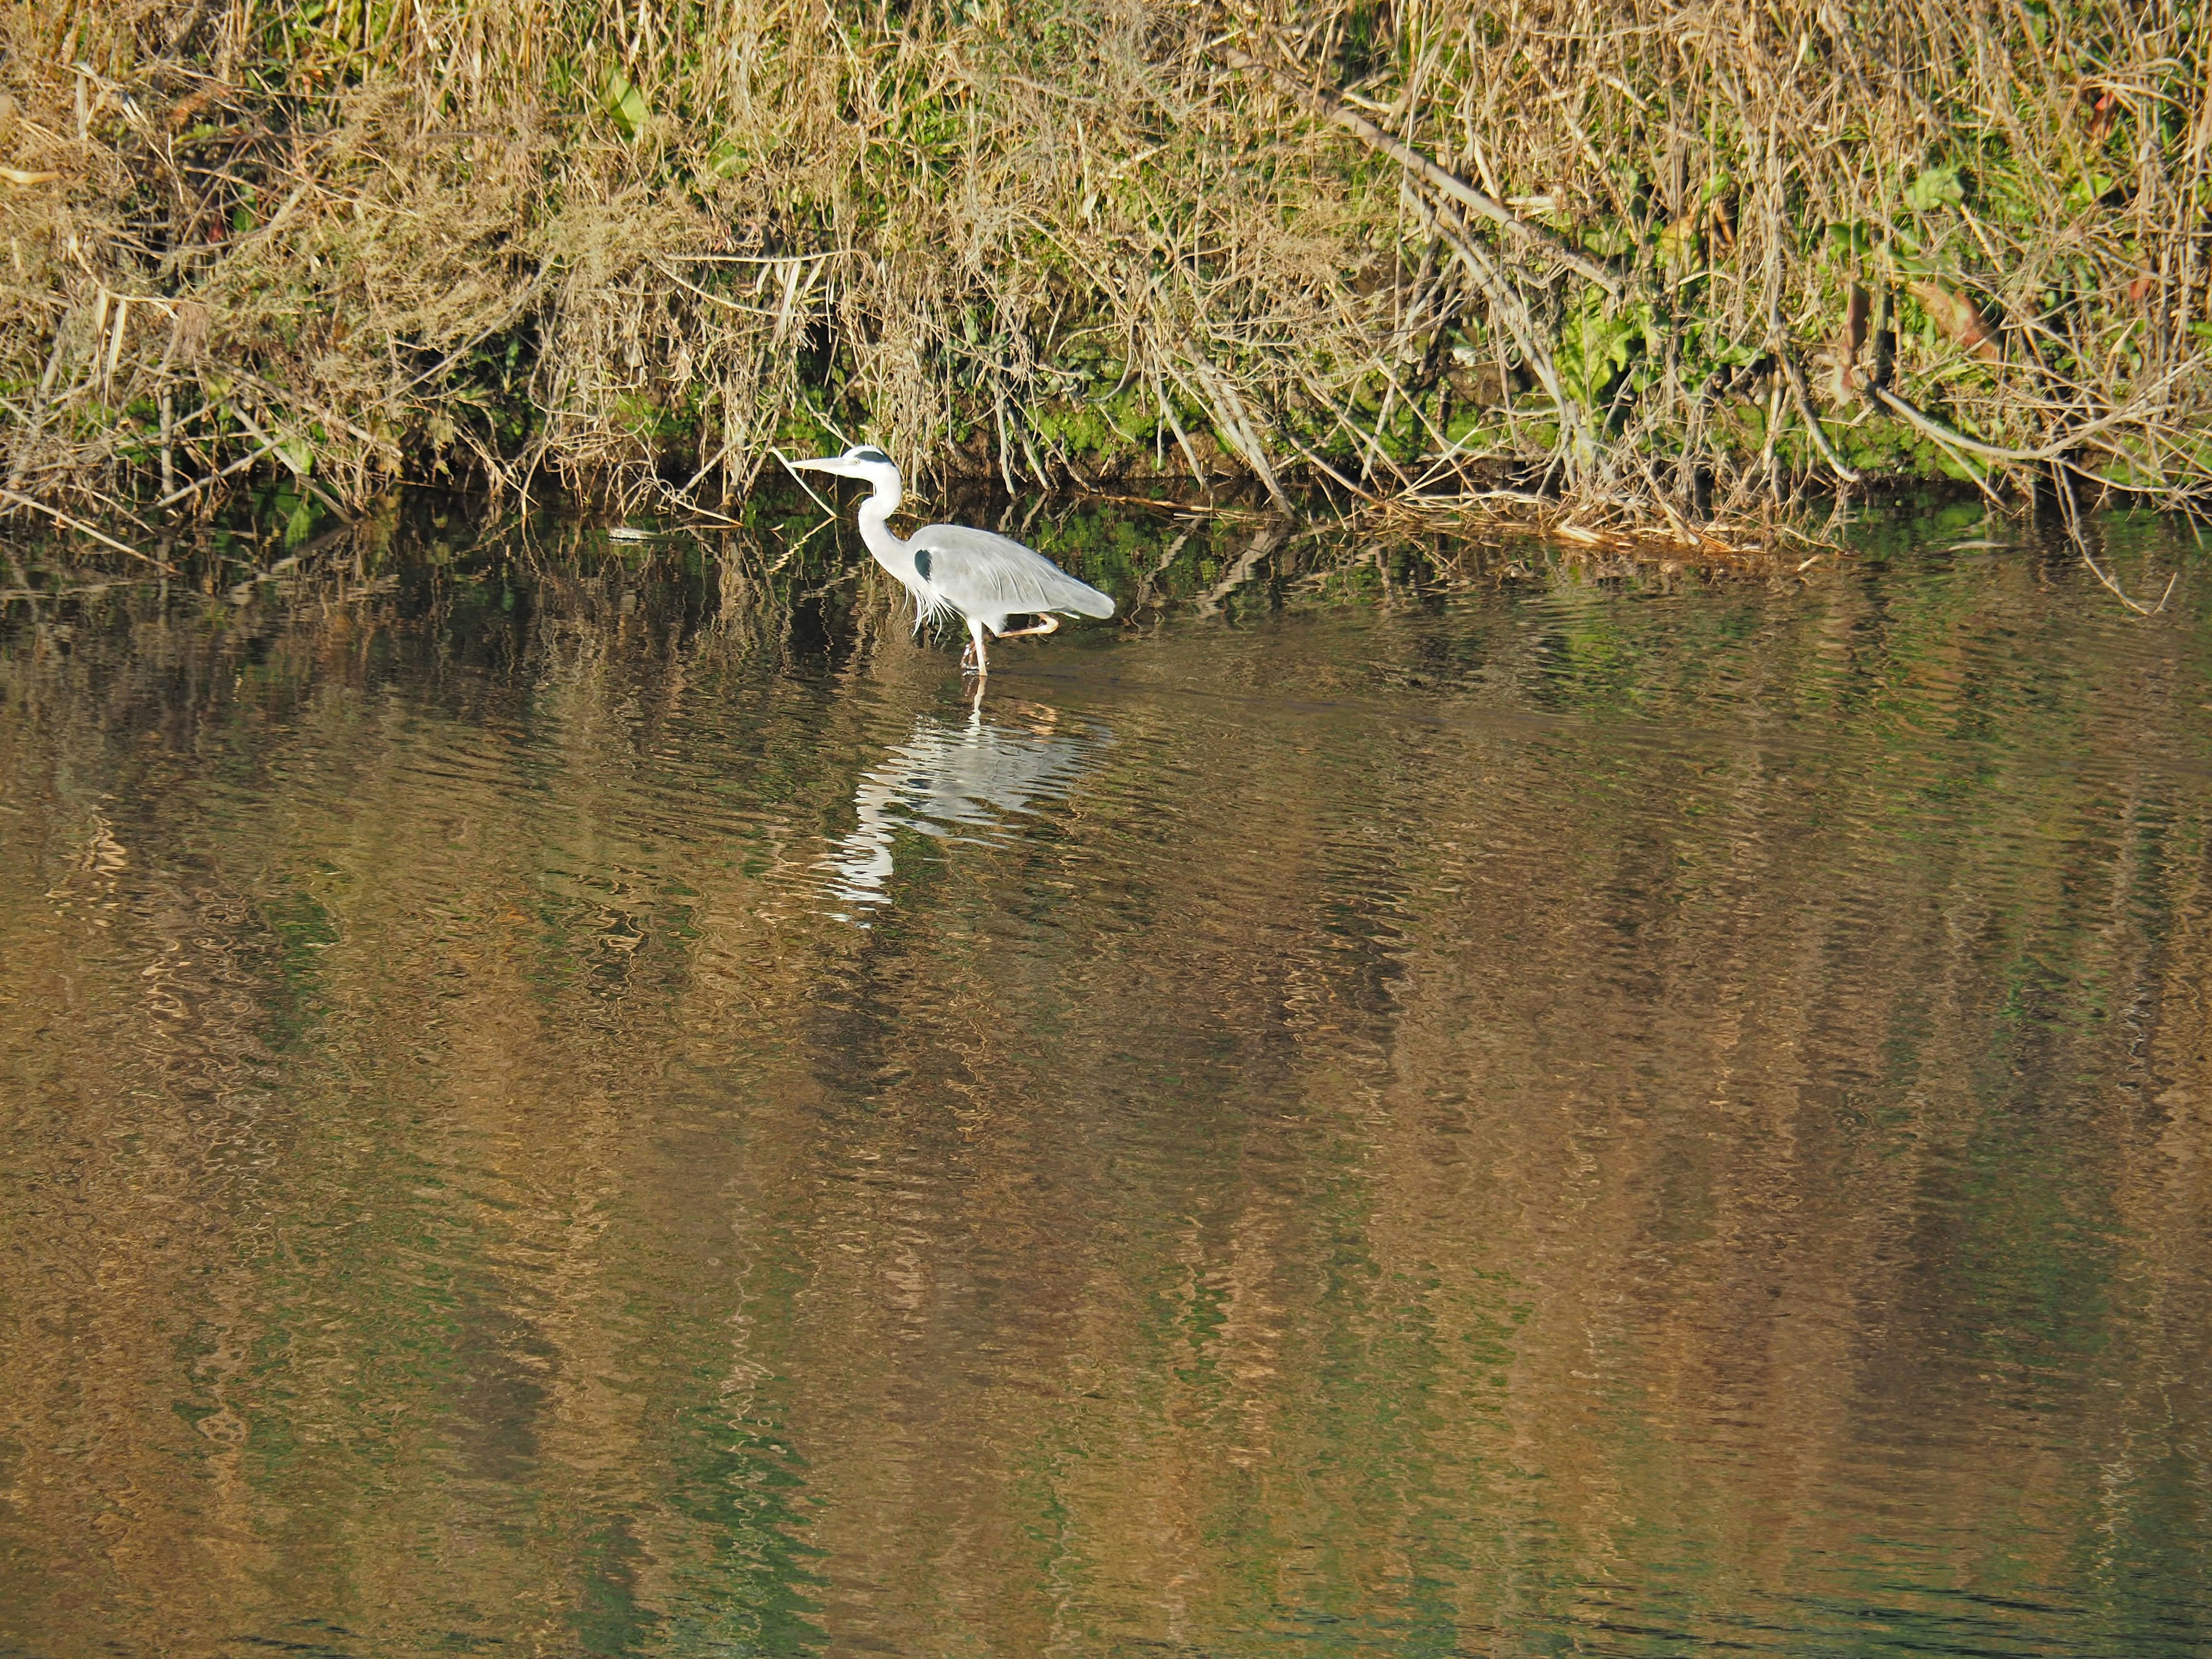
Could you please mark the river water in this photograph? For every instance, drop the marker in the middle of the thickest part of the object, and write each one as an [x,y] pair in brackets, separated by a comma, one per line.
[587,1101]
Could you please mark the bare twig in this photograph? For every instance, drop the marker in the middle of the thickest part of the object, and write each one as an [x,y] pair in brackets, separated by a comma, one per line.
[78,525]
[2081,546]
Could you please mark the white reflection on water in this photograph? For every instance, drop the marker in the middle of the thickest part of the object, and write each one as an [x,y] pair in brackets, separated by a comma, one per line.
[959,783]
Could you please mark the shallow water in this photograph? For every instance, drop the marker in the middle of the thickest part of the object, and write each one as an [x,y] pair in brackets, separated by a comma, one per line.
[577,1109]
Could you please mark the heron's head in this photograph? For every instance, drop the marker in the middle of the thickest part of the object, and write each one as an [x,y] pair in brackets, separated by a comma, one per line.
[863,461]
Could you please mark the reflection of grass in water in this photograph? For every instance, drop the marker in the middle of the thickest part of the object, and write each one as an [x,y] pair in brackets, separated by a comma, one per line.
[745,1585]
[297,996]
[1924,889]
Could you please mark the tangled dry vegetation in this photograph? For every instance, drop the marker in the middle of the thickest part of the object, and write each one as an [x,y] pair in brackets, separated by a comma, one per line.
[1655,260]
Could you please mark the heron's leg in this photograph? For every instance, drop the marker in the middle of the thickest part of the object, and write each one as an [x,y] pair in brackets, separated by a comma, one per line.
[1046,624]
[982,664]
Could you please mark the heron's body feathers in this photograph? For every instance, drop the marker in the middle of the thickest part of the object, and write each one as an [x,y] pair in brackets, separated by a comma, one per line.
[993,577]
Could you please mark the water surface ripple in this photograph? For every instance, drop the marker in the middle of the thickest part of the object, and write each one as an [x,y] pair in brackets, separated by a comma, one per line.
[1559,1118]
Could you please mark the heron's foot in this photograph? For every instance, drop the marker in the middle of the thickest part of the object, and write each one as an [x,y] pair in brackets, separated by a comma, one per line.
[1046,624]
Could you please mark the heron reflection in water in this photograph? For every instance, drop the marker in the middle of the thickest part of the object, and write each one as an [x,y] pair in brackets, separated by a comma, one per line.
[959,782]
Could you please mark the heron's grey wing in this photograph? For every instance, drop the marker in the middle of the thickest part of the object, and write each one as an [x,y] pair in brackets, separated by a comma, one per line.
[985,574]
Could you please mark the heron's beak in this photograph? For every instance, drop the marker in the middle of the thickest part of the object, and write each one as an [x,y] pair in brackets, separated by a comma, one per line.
[828,464]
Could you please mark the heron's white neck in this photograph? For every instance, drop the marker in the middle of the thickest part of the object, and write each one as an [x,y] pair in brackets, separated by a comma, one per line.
[891,551]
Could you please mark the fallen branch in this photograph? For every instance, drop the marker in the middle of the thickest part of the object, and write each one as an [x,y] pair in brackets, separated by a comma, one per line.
[1801,395]
[80,527]
[1505,303]
[1229,410]
[238,465]
[1931,427]
[298,473]
[2054,451]
[1330,106]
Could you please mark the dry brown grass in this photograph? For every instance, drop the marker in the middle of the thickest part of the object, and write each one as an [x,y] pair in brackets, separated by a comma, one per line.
[637,248]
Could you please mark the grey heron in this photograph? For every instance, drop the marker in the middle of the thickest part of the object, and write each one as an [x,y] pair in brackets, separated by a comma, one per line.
[984,577]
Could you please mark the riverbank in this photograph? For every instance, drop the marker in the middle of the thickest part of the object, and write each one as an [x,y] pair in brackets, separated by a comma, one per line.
[1665,268]
[787,568]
